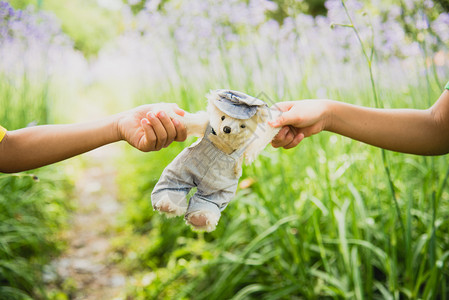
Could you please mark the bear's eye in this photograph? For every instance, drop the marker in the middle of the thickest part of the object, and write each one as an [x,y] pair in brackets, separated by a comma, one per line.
[222,118]
[242,126]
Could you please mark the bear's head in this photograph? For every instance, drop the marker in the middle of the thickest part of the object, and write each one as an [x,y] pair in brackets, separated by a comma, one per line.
[234,123]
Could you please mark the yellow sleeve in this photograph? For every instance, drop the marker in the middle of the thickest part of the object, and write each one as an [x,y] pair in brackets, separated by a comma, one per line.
[2,133]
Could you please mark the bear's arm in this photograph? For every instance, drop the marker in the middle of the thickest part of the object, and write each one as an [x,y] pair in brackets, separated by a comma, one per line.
[195,124]
[263,135]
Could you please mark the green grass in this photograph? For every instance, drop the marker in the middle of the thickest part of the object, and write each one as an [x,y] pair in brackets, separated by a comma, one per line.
[319,222]
[32,215]
[33,205]
[23,102]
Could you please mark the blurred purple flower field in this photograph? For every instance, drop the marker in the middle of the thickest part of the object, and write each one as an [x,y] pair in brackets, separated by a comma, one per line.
[33,45]
[208,44]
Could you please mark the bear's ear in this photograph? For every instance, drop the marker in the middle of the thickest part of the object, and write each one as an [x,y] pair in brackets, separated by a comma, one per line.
[212,109]
[211,96]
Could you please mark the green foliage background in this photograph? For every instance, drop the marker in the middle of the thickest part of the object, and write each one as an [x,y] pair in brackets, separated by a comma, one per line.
[33,205]
[319,221]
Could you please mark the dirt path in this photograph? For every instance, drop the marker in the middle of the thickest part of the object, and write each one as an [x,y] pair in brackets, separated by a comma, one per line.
[86,263]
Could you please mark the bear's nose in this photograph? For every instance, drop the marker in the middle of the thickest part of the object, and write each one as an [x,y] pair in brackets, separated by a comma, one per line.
[227,129]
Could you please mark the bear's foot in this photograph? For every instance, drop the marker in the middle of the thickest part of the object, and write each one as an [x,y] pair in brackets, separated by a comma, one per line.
[169,208]
[203,220]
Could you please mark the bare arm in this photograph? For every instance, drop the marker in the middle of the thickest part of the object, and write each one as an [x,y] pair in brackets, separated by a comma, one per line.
[424,132]
[33,147]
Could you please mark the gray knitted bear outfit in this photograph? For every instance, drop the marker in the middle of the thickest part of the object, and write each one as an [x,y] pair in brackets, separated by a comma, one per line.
[206,167]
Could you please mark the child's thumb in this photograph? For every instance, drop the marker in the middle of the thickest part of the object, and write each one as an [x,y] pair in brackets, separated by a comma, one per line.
[178,110]
[286,118]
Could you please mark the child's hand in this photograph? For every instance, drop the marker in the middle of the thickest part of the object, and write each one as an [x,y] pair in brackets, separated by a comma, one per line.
[287,138]
[146,131]
[300,119]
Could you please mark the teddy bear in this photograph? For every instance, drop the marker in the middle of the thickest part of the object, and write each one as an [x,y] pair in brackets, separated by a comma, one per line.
[234,127]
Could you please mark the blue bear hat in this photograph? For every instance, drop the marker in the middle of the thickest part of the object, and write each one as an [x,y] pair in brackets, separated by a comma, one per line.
[236,104]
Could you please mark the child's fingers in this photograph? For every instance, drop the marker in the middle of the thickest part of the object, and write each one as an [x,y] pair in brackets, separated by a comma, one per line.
[169,128]
[283,106]
[286,137]
[279,139]
[178,111]
[287,118]
[297,139]
[159,130]
[181,131]
[150,136]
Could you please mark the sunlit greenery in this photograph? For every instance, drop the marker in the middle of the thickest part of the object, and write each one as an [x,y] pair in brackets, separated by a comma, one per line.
[318,221]
[33,205]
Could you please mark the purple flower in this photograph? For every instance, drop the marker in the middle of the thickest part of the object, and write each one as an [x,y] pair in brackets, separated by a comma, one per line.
[32,43]
[201,43]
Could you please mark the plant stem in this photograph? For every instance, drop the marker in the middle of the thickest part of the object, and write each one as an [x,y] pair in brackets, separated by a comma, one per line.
[369,60]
